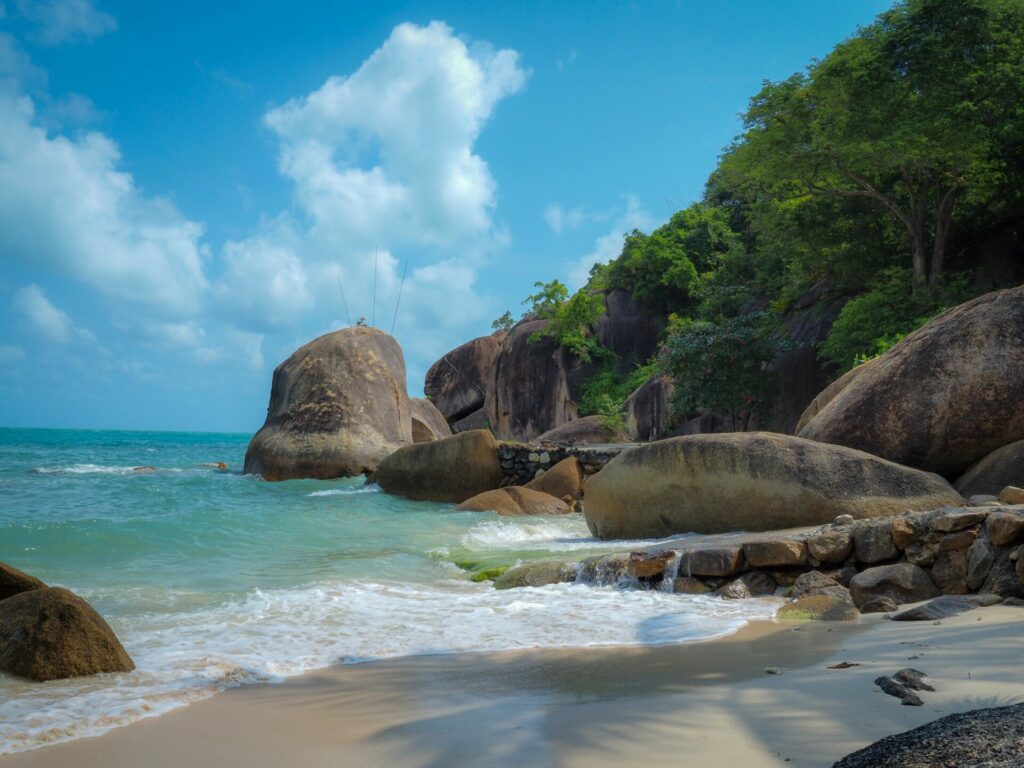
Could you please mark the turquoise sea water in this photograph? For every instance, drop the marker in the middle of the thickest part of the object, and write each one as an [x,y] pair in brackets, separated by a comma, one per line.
[212,578]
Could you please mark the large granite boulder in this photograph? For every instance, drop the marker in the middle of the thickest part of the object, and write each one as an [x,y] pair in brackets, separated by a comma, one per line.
[563,479]
[828,394]
[530,385]
[338,406]
[999,469]
[453,469]
[942,399]
[457,383]
[587,430]
[428,423]
[14,582]
[629,328]
[51,633]
[648,410]
[750,481]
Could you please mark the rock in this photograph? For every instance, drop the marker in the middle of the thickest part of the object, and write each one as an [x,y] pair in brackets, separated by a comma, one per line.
[51,633]
[903,582]
[829,393]
[820,608]
[475,420]
[14,582]
[980,557]
[536,574]
[750,584]
[1004,527]
[816,583]
[454,469]
[983,737]
[957,519]
[457,383]
[643,565]
[587,430]
[1003,467]
[873,543]
[983,500]
[899,690]
[604,569]
[944,397]
[1012,495]
[648,410]
[1002,577]
[563,479]
[513,501]
[830,546]
[843,520]
[529,391]
[913,679]
[960,540]
[724,560]
[338,407]
[881,604]
[687,585]
[769,553]
[751,481]
[428,423]
[904,529]
[944,607]
[629,328]
[923,551]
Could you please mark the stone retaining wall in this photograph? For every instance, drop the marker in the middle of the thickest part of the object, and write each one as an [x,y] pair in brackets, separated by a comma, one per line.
[522,462]
[882,562]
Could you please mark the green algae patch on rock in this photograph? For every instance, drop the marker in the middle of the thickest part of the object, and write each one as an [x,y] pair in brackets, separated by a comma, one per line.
[819,608]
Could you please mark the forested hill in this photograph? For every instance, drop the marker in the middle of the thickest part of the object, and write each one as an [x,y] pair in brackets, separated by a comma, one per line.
[889,174]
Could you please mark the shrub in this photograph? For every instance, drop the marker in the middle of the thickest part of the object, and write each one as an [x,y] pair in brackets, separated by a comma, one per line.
[571,318]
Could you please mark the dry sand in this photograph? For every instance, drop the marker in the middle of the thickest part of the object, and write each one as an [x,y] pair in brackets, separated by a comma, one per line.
[706,704]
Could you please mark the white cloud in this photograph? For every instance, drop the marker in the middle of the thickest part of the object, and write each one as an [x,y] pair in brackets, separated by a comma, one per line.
[560,220]
[11,354]
[609,245]
[223,345]
[47,320]
[387,152]
[64,205]
[61,21]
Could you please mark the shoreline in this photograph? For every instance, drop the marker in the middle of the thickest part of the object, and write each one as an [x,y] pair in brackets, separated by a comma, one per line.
[710,702]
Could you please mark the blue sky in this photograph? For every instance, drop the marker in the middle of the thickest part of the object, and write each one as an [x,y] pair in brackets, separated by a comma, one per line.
[183,185]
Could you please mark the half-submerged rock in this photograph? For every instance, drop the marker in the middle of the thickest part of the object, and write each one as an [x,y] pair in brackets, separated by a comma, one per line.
[51,633]
[453,469]
[514,501]
[942,399]
[751,481]
[338,407]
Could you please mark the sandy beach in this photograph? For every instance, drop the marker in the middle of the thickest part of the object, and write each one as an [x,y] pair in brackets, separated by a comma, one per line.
[709,703]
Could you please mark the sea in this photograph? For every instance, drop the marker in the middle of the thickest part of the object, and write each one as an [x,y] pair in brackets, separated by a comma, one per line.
[214,579]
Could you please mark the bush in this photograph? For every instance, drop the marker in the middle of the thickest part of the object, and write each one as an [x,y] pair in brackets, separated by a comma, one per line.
[724,368]
[605,393]
[571,319]
[876,320]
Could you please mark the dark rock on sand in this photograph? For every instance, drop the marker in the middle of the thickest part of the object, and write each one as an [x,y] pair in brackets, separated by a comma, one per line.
[899,690]
[944,397]
[946,606]
[982,738]
[821,607]
[338,407]
[13,582]
[902,582]
[51,633]
[753,481]
[880,604]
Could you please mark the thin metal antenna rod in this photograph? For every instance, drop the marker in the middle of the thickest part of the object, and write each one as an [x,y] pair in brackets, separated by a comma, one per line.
[373,308]
[399,301]
[344,303]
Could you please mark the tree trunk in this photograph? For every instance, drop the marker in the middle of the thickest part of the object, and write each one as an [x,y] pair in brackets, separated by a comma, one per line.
[943,220]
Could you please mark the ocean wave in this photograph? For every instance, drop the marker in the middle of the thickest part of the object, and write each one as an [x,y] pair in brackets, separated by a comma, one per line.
[374,488]
[562,534]
[274,634]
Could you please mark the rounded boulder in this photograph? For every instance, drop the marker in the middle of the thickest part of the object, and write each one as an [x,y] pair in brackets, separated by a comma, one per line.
[338,407]
[749,481]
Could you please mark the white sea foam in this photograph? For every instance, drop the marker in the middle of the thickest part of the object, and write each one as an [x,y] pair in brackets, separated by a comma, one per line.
[561,534]
[186,656]
[99,469]
[374,488]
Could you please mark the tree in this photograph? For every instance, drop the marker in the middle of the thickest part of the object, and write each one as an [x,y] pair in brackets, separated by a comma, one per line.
[913,113]
[503,323]
[724,368]
[571,319]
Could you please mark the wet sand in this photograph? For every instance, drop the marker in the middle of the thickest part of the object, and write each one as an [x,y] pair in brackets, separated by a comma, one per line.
[705,704]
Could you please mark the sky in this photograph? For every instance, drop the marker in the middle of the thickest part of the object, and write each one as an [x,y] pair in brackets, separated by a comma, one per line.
[190,191]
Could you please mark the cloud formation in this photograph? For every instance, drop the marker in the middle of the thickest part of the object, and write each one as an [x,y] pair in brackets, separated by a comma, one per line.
[45,319]
[609,245]
[62,21]
[559,219]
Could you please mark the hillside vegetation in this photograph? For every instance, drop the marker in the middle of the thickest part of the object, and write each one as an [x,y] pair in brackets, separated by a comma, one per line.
[891,171]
